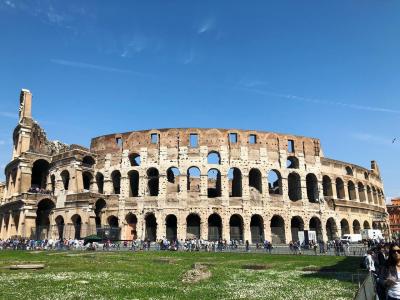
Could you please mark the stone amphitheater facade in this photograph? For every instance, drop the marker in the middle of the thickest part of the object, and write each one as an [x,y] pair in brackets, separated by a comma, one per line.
[184,183]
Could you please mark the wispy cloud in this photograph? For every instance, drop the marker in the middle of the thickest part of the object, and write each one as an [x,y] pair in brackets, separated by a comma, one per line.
[136,45]
[46,12]
[7,114]
[319,101]
[373,139]
[82,65]
[206,25]
[189,57]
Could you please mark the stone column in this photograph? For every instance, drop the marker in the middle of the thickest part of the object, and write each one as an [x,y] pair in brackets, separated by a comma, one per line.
[246,229]
[204,228]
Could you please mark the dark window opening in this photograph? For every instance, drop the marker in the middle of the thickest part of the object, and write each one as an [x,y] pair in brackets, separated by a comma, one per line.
[213,183]
[133,184]
[152,181]
[116,180]
[294,186]
[290,146]
[235,182]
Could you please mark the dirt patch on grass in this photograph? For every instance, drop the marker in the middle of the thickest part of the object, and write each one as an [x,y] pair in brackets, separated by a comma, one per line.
[198,273]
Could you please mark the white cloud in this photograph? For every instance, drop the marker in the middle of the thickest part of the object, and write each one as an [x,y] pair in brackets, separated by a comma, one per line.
[319,101]
[207,25]
[82,65]
[378,140]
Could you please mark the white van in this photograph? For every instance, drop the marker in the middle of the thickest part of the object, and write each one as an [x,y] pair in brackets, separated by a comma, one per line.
[351,238]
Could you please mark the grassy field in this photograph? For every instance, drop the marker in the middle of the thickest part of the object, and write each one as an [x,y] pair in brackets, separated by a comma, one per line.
[167,275]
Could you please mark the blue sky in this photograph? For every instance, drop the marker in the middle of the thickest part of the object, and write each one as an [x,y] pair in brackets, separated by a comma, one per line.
[316,68]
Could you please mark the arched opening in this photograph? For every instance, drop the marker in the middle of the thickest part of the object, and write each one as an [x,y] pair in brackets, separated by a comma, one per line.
[213,183]
[134,159]
[214,227]
[340,188]
[292,162]
[331,229]
[151,228]
[374,196]
[193,180]
[327,186]
[133,183]
[316,225]
[65,179]
[53,183]
[236,228]
[356,227]
[352,190]
[113,222]
[278,230]
[131,220]
[294,186]
[152,181]
[375,225]
[344,226]
[193,226]
[60,226]
[99,207]
[235,182]
[257,229]
[255,180]
[42,221]
[296,225]
[366,225]
[171,225]
[361,192]
[116,180]
[88,161]
[173,180]
[349,171]
[100,182]
[274,182]
[213,158]
[369,195]
[87,178]
[312,188]
[77,223]
[40,171]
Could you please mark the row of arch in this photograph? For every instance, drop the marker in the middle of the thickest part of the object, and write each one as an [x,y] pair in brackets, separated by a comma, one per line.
[366,193]
[214,225]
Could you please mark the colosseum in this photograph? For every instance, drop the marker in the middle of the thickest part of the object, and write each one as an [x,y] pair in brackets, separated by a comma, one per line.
[183,183]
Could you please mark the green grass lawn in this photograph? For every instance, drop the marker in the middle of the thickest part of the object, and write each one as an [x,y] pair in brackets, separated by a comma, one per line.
[158,275]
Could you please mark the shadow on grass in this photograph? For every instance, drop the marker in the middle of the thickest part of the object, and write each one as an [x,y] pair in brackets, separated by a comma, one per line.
[346,269]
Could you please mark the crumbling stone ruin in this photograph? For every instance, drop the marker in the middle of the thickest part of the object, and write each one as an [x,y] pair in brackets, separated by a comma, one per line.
[184,183]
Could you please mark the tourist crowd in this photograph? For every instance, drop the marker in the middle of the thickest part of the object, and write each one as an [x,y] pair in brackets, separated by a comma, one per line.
[383,261]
